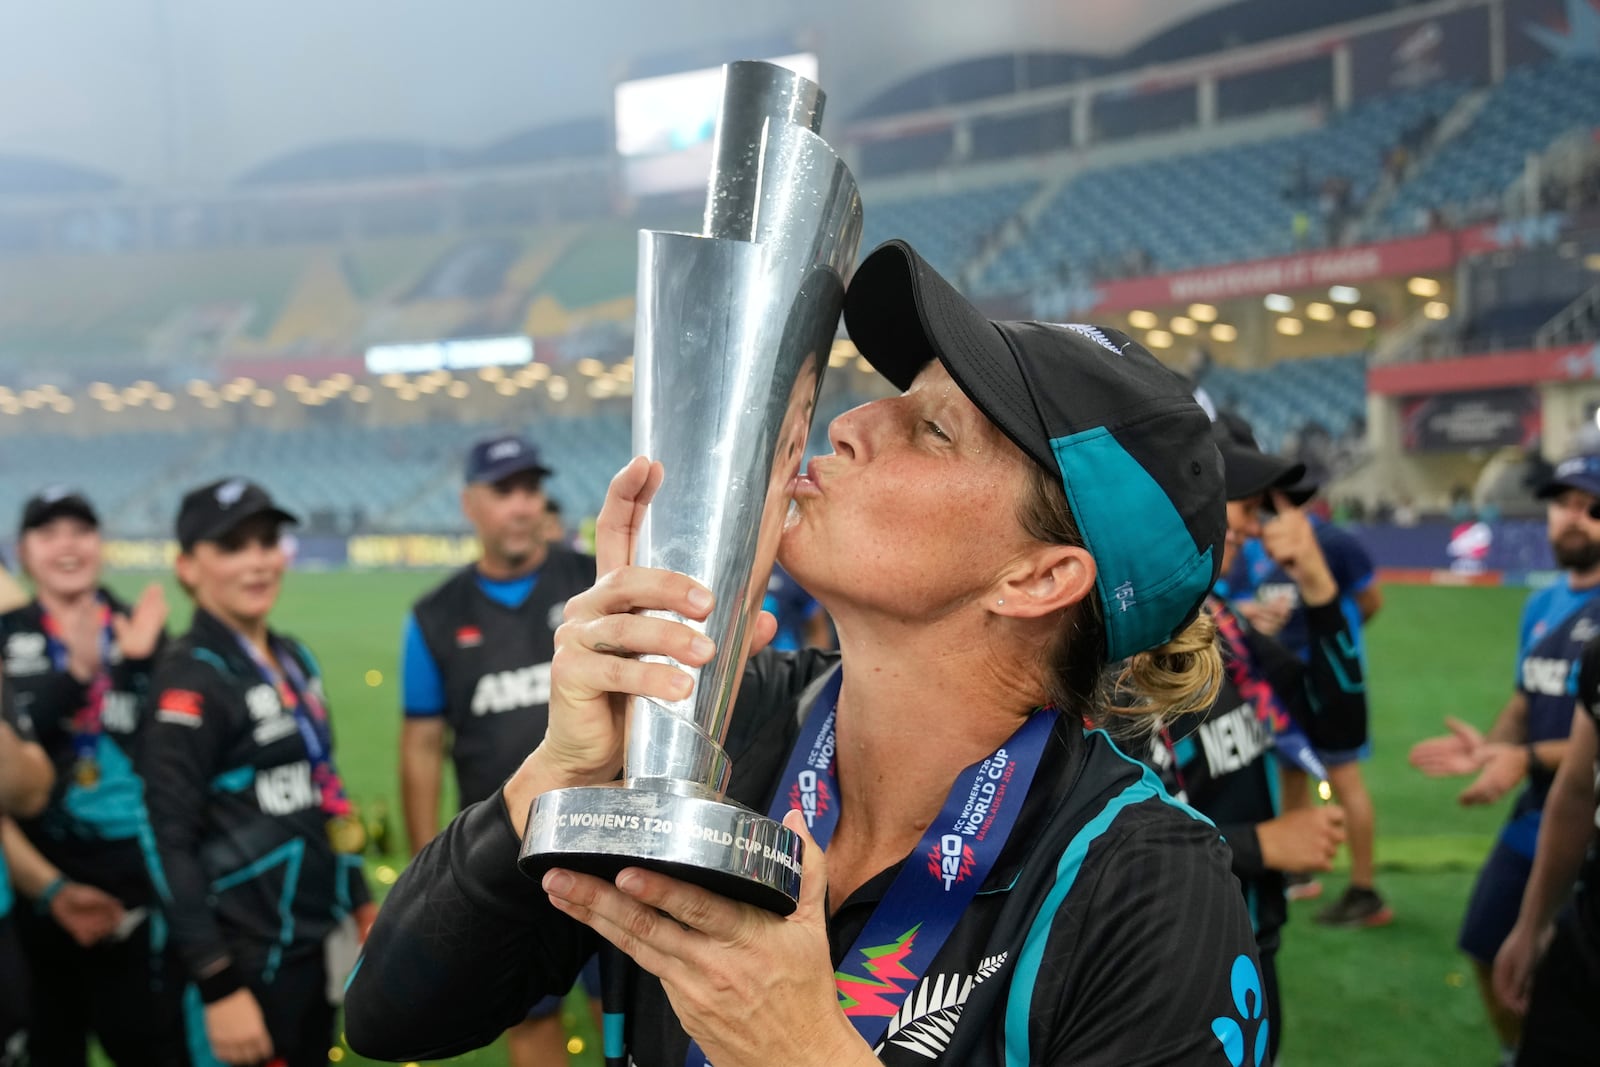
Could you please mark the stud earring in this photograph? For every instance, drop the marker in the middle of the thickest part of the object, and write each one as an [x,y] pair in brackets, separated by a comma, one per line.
[1000,603]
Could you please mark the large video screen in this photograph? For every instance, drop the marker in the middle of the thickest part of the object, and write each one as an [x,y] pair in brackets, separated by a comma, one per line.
[665,125]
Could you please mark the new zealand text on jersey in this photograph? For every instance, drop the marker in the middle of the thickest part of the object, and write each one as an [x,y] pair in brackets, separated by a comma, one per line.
[1550,677]
[512,690]
[1233,741]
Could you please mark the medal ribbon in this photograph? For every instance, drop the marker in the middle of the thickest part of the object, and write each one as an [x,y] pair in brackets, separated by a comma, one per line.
[312,719]
[86,726]
[1290,740]
[937,882]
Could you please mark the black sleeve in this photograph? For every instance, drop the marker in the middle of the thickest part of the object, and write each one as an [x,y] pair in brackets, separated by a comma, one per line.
[1589,678]
[1335,687]
[463,945]
[1163,937]
[1245,844]
[180,753]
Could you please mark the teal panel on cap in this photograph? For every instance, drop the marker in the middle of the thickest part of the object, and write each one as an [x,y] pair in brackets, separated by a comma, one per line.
[1149,574]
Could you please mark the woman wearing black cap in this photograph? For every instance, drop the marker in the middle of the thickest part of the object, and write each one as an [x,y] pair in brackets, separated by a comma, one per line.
[260,853]
[77,663]
[1272,708]
[1042,501]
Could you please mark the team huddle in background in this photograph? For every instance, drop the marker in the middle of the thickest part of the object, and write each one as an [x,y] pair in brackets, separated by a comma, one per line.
[182,876]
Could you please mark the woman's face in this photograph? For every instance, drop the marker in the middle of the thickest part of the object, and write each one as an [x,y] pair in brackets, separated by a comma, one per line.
[237,578]
[915,512]
[62,557]
[1244,523]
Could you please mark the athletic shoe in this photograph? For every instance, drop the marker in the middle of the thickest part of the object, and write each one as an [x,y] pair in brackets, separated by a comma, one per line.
[1356,907]
[1303,887]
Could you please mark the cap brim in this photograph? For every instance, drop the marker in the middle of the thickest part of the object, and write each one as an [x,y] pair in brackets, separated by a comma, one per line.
[509,468]
[1248,473]
[69,508]
[230,522]
[1556,486]
[901,315]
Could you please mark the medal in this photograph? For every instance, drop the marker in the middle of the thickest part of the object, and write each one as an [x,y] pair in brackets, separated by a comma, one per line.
[346,834]
[86,772]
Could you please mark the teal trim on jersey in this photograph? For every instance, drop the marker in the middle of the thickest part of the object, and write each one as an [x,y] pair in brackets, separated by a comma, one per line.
[159,931]
[310,659]
[1149,574]
[1274,787]
[341,884]
[1252,904]
[113,808]
[205,655]
[290,855]
[1019,999]
[152,863]
[194,1030]
[612,1025]
[1183,749]
[7,898]
[235,781]
[348,982]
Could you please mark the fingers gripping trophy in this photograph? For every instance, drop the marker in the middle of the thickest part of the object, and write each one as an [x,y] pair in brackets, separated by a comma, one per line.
[734,329]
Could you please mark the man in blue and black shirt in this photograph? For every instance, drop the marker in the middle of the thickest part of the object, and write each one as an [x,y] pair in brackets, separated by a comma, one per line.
[1530,735]
[475,664]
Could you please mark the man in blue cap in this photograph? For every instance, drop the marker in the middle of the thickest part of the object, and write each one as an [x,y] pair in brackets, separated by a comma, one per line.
[475,665]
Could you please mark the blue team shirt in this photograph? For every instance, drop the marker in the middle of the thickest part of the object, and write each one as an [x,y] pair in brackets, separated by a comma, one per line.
[421,683]
[1557,622]
[1255,574]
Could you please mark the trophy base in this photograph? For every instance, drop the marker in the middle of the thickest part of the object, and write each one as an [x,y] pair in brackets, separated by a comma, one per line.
[715,844]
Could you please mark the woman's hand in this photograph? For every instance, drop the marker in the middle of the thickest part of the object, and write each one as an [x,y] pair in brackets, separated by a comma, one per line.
[724,964]
[139,633]
[597,664]
[87,914]
[1514,964]
[237,1030]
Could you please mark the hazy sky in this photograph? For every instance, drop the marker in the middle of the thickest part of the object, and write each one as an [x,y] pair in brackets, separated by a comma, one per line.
[195,92]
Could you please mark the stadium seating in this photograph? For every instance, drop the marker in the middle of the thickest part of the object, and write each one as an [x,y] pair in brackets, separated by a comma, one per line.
[1525,114]
[1213,206]
[1283,400]
[947,228]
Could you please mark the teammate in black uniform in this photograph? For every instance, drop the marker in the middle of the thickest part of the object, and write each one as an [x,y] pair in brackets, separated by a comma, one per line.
[1562,1025]
[26,778]
[475,664]
[1228,766]
[1042,500]
[1529,736]
[77,664]
[260,853]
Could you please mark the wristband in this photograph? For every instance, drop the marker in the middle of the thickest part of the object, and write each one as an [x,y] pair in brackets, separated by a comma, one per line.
[41,903]
[213,987]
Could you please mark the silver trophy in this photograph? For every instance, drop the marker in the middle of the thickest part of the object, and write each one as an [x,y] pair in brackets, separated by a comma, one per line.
[733,335]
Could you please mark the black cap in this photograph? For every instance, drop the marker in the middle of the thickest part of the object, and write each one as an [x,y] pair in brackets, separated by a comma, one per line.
[501,457]
[216,509]
[57,502]
[1579,472]
[1092,407]
[1250,472]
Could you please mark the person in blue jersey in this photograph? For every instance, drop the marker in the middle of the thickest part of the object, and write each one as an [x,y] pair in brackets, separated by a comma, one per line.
[1548,968]
[475,667]
[801,621]
[1265,595]
[258,848]
[77,664]
[26,780]
[1525,744]
[1038,502]
[1227,764]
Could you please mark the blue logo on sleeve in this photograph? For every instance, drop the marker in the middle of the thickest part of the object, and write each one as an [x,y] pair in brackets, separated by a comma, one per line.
[1251,1006]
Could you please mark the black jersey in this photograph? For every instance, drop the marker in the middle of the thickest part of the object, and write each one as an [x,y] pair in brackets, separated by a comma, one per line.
[1587,909]
[1225,762]
[492,661]
[94,823]
[246,870]
[1069,952]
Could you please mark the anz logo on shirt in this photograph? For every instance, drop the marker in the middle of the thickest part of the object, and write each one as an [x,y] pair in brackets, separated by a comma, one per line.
[1233,741]
[503,691]
[287,789]
[1550,677]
